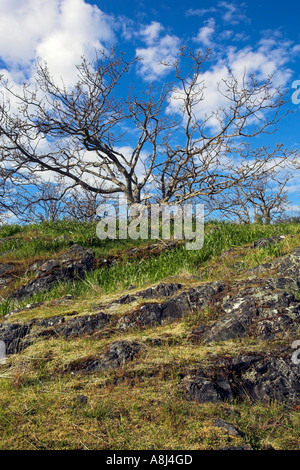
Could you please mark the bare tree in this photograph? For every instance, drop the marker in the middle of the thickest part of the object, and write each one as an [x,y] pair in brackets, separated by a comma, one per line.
[270,201]
[263,199]
[48,202]
[78,133]
[82,205]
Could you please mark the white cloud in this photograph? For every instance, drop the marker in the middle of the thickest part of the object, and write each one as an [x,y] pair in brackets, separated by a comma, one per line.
[151,33]
[200,11]
[205,33]
[233,13]
[57,31]
[160,48]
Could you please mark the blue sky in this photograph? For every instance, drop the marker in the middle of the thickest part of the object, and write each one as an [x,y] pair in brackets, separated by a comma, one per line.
[262,36]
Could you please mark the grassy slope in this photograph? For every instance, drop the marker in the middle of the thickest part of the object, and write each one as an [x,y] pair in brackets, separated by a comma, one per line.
[138,405]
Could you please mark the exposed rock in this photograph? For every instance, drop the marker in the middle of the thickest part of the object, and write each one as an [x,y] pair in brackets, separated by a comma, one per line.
[202,389]
[19,336]
[149,314]
[125,299]
[175,308]
[263,242]
[156,292]
[80,325]
[72,264]
[266,308]
[4,281]
[35,266]
[203,295]
[48,266]
[271,379]
[126,322]
[5,268]
[52,321]
[285,266]
[15,337]
[36,285]
[260,307]
[255,378]
[161,290]
[117,354]
[229,428]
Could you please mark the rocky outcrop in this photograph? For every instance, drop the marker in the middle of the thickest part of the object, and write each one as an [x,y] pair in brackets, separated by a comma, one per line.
[81,325]
[286,266]
[263,242]
[73,264]
[156,292]
[228,428]
[175,308]
[15,337]
[117,354]
[263,308]
[6,270]
[19,336]
[256,378]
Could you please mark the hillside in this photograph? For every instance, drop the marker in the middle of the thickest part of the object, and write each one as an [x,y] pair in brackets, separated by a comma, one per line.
[143,345]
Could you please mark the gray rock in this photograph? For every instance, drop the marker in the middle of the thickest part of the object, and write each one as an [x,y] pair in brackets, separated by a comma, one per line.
[117,354]
[15,336]
[202,389]
[48,266]
[150,314]
[251,377]
[77,326]
[125,299]
[5,268]
[174,308]
[263,242]
[229,428]
[52,321]
[260,307]
[271,379]
[161,290]
[156,292]
[72,264]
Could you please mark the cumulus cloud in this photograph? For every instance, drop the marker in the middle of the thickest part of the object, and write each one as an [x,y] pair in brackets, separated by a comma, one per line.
[59,32]
[206,33]
[200,11]
[151,33]
[160,48]
[233,13]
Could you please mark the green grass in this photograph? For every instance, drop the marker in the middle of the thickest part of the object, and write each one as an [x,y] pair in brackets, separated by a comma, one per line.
[47,239]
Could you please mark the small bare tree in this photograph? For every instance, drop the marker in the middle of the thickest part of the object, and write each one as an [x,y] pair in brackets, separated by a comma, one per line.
[48,202]
[262,200]
[82,205]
